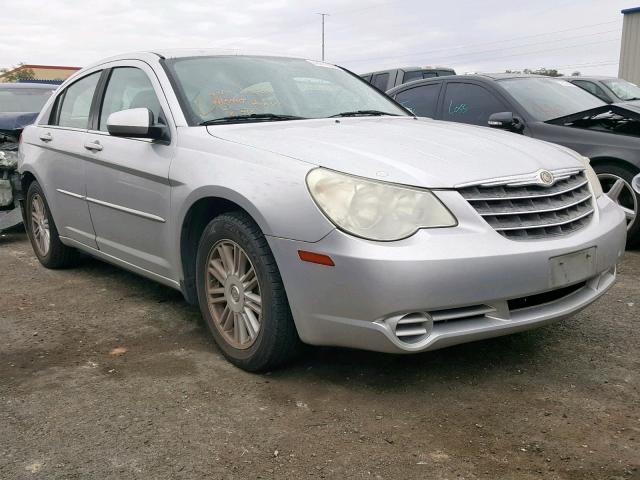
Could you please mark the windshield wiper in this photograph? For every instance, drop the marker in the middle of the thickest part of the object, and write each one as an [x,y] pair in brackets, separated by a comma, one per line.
[255,117]
[364,113]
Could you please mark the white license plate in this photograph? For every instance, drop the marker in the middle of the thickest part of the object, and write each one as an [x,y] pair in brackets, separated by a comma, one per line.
[572,267]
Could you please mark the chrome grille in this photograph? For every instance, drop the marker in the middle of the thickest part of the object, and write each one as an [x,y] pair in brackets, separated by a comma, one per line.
[527,212]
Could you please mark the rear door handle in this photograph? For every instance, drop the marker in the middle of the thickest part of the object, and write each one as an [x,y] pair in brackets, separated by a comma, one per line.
[46,137]
[93,146]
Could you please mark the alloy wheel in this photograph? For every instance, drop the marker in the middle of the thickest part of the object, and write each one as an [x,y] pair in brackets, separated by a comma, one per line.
[233,294]
[621,192]
[40,225]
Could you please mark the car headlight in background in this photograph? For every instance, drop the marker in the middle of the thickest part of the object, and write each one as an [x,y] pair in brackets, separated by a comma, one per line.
[596,188]
[636,183]
[376,210]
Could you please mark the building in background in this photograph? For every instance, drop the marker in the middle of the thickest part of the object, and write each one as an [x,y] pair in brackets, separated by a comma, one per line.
[630,48]
[38,73]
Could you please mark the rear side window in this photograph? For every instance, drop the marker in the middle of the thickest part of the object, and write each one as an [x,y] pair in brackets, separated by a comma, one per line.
[420,100]
[74,104]
[592,88]
[418,75]
[129,87]
[380,81]
[470,103]
[411,76]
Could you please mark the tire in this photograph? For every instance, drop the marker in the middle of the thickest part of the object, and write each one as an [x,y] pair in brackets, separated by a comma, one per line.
[608,173]
[270,338]
[52,253]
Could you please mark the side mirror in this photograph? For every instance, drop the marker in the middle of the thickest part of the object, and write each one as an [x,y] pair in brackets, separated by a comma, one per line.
[134,123]
[636,183]
[505,121]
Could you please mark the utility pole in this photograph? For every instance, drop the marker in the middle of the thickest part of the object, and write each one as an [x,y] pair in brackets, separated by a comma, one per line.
[323,15]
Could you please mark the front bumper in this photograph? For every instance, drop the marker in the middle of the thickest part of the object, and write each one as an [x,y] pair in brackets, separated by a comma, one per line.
[464,279]
[10,194]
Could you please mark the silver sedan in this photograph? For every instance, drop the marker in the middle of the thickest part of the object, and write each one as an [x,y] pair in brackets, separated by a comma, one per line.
[294,203]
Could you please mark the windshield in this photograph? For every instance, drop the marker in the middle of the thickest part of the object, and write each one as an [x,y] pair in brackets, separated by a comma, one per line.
[623,90]
[23,100]
[546,98]
[226,86]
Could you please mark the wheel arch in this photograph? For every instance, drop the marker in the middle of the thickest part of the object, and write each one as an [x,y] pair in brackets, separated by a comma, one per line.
[200,211]
[610,160]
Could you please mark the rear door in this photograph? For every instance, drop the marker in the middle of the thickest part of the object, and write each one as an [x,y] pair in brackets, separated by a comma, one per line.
[421,100]
[472,103]
[128,188]
[381,81]
[60,159]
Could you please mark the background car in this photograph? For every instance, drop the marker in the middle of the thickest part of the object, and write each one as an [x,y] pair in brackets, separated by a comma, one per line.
[608,89]
[20,104]
[384,80]
[544,108]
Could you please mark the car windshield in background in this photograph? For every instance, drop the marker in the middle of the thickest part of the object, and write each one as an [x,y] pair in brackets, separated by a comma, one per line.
[23,100]
[623,89]
[546,98]
[217,89]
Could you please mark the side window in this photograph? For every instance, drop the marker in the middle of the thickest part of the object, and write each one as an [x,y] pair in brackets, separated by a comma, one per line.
[129,87]
[420,100]
[592,88]
[469,103]
[73,105]
[410,76]
[367,78]
[588,86]
[380,81]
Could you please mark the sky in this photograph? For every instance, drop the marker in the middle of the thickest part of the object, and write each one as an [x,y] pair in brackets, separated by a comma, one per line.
[362,35]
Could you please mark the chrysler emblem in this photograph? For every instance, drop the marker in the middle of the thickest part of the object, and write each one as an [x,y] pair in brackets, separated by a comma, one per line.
[545,177]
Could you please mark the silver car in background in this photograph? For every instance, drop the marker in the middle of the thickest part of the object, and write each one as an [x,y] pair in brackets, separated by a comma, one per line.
[294,203]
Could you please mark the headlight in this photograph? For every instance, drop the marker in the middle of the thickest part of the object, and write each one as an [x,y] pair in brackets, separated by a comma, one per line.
[376,210]
[8,158]
[596,188]
[636,183]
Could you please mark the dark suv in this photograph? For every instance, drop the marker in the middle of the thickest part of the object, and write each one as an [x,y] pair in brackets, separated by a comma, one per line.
[547,109]
[383,80]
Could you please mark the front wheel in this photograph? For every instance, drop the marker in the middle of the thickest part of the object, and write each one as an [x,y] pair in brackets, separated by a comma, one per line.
[241,294]
[616,183]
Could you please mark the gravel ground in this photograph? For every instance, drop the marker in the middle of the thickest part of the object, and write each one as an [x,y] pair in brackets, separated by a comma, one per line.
[107,375]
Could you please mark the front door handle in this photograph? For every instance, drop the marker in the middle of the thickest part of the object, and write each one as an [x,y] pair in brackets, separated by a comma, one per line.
[93,146]
[46,137]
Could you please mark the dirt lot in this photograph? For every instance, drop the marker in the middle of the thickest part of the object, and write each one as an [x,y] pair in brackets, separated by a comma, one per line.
[562,402]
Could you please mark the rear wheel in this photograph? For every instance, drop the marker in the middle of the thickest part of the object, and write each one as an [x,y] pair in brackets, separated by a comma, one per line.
[42,231]
[616,183]
[241,294]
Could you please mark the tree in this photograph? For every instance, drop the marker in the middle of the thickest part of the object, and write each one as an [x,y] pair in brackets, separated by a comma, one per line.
[547,72]
[17,73]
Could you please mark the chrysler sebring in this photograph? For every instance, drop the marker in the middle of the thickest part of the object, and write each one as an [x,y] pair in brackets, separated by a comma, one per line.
[294,203]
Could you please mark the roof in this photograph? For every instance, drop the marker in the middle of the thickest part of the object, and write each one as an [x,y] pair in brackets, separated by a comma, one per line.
[413,68]
[593,78]
[47,67]
[27,86]
[627,11]
[473,76]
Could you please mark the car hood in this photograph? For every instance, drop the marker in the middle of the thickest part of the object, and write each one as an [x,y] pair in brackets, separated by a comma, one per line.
[16,121]
[420,152]
[617,118]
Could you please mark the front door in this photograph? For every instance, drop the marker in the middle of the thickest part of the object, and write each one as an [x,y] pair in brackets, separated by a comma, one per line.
[127,179]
